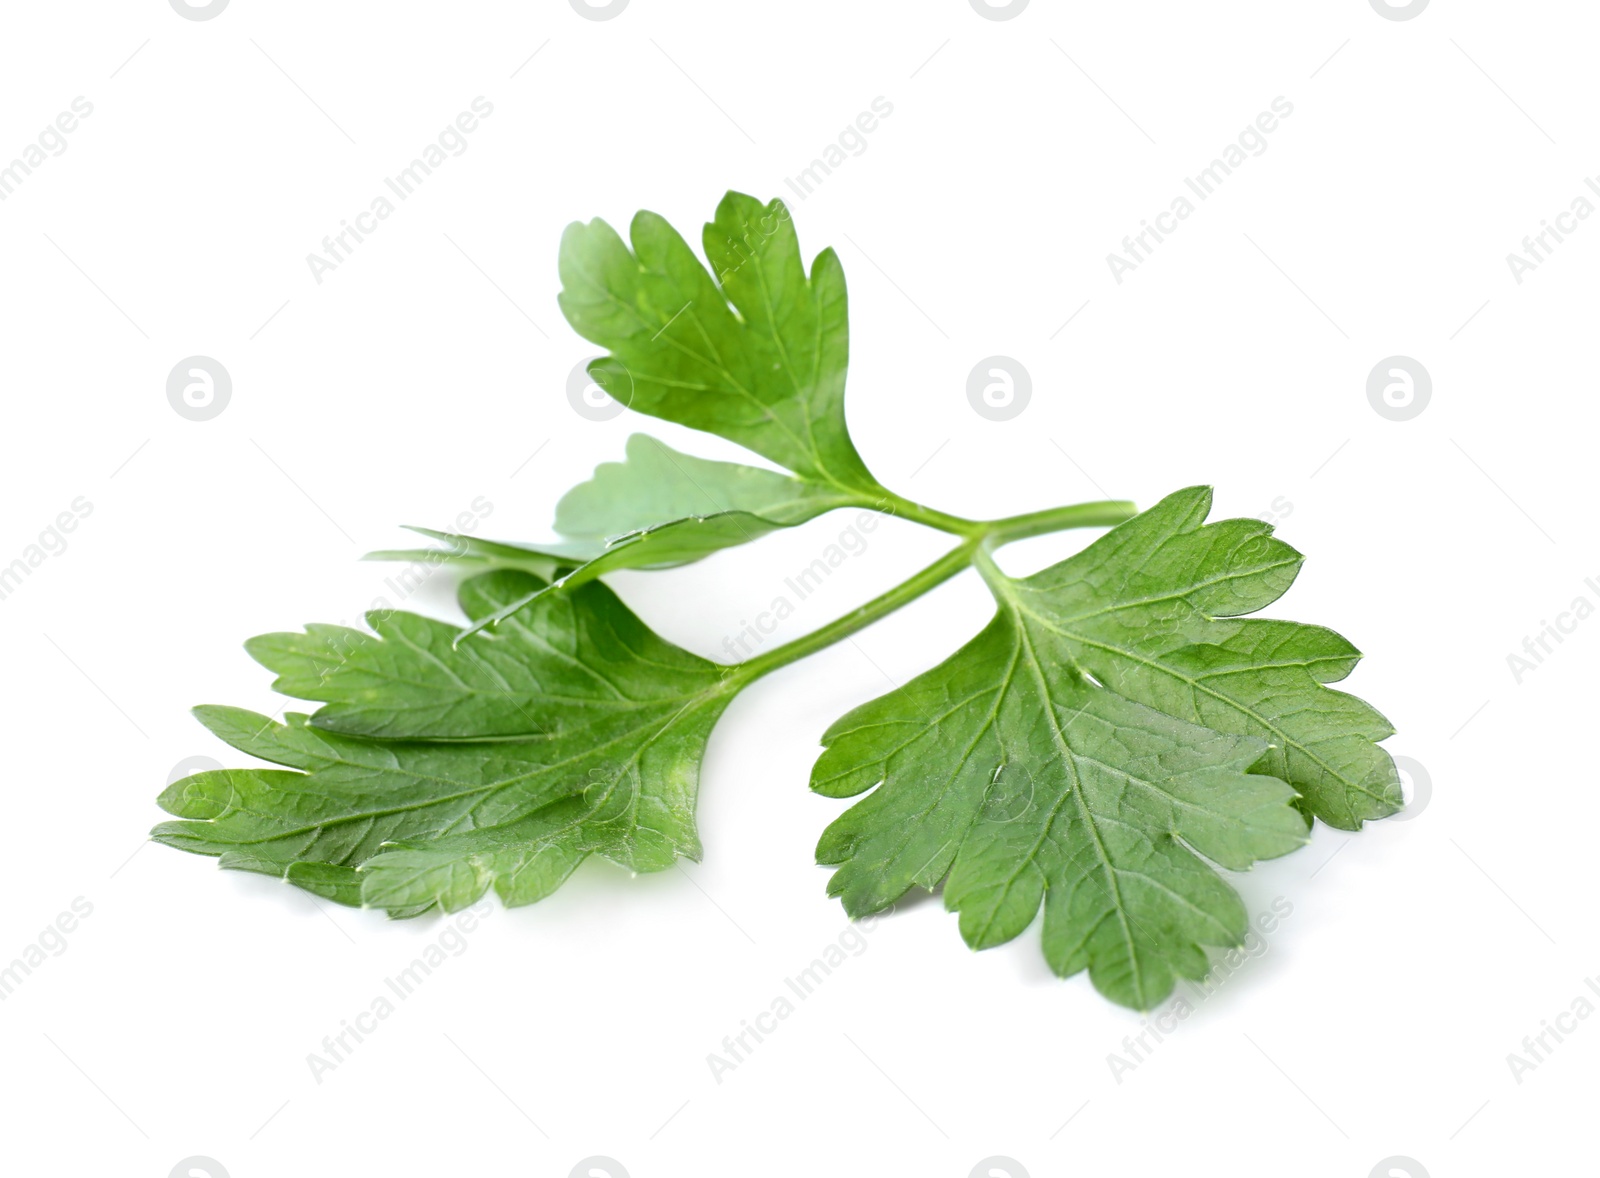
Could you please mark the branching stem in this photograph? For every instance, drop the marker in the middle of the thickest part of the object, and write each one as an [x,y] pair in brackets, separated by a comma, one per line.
[978,536]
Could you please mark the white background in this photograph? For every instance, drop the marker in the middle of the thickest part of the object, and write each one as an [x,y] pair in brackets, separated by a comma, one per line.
[426,370]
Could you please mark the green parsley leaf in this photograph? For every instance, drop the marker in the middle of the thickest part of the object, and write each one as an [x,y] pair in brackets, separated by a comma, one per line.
[657,483]
[1112,729]
[661,508]
[676,542]
[545,561]
[757,355]
[573,731]
[1152,610]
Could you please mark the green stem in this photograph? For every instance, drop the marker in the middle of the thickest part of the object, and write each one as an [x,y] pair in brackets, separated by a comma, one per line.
[980,537]
[892,504]
[983,561]
[1103,514]
[937,573]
